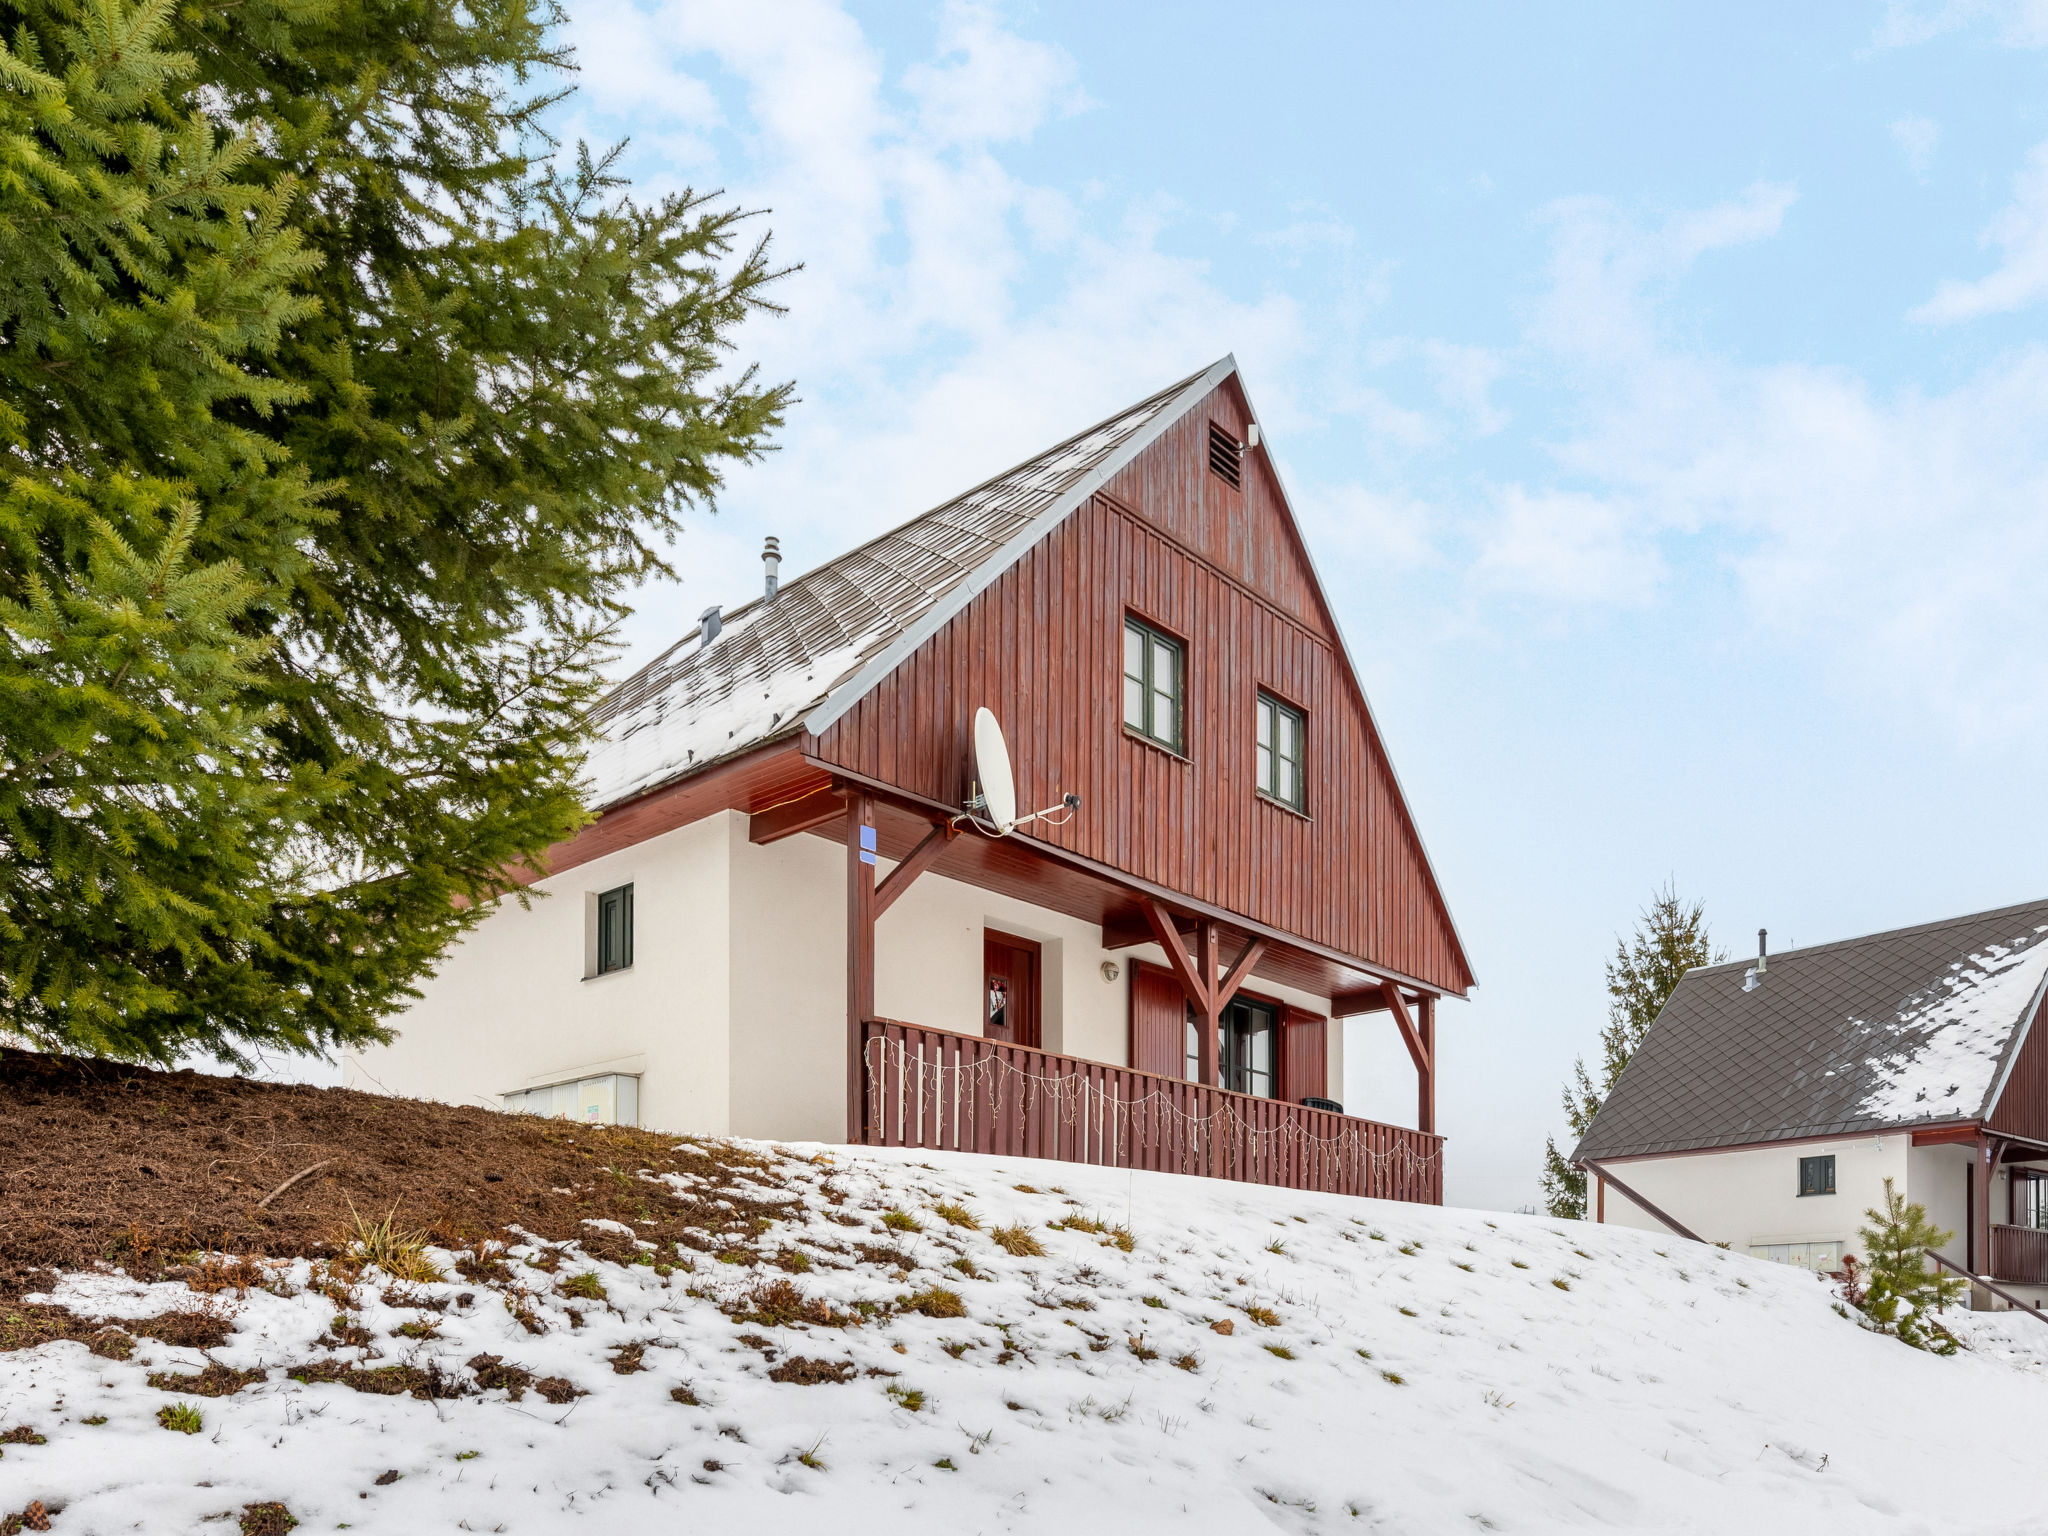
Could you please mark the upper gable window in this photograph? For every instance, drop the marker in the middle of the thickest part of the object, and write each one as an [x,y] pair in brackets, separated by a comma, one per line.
[1282,752]
[1155,677]
[1226,461]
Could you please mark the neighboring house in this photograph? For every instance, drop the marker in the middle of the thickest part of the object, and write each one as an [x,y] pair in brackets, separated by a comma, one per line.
[1771,1100]
[781,868]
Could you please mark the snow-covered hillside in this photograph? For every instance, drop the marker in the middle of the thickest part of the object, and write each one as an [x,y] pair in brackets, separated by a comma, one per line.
[1254,1359]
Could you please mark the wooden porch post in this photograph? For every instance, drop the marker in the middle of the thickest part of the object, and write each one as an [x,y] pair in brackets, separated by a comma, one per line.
[1211,1005]
[860,955]
[1425,1080]
[1984,1161]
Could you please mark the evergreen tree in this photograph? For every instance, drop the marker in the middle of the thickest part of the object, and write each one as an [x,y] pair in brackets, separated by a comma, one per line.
[337,419]
[1670,939]
[1899,1292]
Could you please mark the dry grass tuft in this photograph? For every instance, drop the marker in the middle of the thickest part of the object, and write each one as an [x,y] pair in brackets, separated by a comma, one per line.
[901,1221]
[1265,1317]
[271,1519]
[956,1215]
[586,1286]
[181,1417]
[935,1301]
[215,1381]
[1188,1362]
[780,1304]
[400,1253]
[1018,1241]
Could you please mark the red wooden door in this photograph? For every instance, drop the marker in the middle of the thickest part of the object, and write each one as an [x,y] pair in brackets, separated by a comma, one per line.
[1159,1030]
[1010,988]
[1304,1056]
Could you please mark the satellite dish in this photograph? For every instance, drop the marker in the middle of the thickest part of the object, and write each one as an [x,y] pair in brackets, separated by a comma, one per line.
[992,768]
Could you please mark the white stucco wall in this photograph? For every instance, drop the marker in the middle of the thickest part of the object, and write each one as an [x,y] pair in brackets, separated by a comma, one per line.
[733,1013]
[510,1007]
[1751,1195]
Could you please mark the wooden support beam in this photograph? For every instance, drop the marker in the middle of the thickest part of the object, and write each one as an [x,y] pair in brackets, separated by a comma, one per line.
[1420,1051]
[915,863]
[860,955]
[780,821]
[1160,921]
[1240,970]
[1983,1158]
[1353,1001]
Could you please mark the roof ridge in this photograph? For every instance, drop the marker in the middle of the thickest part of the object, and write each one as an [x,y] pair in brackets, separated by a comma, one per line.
[1882,935]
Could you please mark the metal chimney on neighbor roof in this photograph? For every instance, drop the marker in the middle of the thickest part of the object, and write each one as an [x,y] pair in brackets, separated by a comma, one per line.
[771,556]
[708,625]
[1754,976]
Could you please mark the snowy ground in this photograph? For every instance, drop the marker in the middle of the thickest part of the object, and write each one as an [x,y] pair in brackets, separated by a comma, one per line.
[1423,1371]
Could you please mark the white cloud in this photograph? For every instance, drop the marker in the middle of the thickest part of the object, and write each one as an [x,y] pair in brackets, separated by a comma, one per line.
[2021,230]
[2019,23]
[1917,138]
[1568,547]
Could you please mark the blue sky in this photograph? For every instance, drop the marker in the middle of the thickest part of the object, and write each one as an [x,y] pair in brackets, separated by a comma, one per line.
[1663,390]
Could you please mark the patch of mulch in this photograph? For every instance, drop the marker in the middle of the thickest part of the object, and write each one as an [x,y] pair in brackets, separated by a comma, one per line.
[34,1518]
[686,1395]
[216,1380]
[628,1358]
[382,1380]
[493,1374]
[558,1389]
[104,1161]
[23,1434]
[802,1371]
[271,1519]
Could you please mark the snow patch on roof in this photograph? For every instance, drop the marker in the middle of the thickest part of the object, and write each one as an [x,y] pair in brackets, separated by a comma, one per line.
[673,733]
[1951,1036]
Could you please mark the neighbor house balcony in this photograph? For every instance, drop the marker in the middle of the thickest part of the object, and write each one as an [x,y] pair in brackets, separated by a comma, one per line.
[942,1091]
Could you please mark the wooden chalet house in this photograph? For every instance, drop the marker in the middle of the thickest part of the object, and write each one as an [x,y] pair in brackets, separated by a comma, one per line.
[780,926]
[1769,1102]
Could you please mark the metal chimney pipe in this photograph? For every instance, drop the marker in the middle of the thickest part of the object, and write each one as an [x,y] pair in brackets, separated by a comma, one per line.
[771,556]
[1762,950]
[708,625]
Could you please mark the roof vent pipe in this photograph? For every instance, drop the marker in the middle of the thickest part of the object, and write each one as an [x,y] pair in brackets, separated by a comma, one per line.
[1763,953]
[771,557]
[708,625]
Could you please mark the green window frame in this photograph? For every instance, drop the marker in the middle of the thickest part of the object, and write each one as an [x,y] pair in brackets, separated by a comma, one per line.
[1282,749]
[615,929]
[1155,684]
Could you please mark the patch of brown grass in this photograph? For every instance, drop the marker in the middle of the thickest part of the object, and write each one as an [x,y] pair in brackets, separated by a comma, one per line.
[558,1389]
[216,1380]
[781,1304]
[802,1371]
[271,1519]
[1018,1241]
[494,1375]
[934,1301]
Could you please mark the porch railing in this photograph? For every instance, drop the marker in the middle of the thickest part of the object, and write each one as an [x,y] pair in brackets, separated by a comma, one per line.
[2019,1254]
[962,1093]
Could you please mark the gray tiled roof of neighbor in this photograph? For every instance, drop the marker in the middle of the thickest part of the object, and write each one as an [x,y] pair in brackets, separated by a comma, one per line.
[1914,1026]
[773,664]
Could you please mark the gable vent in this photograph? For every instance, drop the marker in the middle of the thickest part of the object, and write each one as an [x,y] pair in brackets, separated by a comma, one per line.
[1224,458]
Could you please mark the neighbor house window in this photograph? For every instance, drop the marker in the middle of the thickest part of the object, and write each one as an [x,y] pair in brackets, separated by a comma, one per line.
[1817,1175]
[1825,1257]
[613,1099]
[1154,684]
[1283,738]
[2030,1198]
[615,929]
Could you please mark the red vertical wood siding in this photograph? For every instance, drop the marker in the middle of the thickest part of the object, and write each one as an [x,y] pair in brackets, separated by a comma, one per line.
[1042,646]
[2022,1108]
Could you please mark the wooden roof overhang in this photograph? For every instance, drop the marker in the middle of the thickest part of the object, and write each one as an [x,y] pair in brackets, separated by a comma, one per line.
[1032,870]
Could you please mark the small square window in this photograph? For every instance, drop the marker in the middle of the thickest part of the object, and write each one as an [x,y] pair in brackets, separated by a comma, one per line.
[1817,1175]
[1282,746]
[615,930]
[1154,684]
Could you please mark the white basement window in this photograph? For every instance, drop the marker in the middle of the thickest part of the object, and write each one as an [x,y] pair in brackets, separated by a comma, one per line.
[613,1099]
[1823,1257]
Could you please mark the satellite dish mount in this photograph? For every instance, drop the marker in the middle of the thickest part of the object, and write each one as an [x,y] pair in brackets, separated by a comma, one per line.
[992,808]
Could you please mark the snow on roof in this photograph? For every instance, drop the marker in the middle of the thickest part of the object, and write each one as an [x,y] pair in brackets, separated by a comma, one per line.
[836,629]
[1950,1038]
[1909,1027]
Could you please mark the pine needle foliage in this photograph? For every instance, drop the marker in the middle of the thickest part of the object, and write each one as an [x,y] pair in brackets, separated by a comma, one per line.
[1897,1291]
[1670,939]
[338,411]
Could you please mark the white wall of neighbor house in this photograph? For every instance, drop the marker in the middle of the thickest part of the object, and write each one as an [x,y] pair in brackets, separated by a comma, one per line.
[511,1007]
[1939,1179]
[1748,1197]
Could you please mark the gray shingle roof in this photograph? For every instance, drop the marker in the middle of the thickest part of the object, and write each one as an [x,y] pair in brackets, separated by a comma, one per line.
[1909,1027]
[777,667]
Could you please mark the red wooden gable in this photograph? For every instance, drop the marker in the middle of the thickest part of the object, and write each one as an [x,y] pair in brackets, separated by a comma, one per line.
[1225,570]
[2022,1107]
